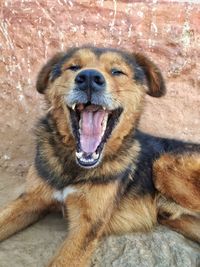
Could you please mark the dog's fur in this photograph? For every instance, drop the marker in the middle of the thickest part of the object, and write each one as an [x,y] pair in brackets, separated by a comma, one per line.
[139,181]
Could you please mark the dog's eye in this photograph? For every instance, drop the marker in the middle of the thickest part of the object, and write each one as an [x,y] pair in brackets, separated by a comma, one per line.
[116,72]
[74,67]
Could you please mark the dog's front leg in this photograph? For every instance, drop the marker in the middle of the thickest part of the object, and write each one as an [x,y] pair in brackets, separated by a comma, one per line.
[27,208]
[89,209]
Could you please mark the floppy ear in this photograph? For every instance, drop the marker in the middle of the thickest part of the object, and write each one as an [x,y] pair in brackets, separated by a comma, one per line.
[49,71]
[153,76]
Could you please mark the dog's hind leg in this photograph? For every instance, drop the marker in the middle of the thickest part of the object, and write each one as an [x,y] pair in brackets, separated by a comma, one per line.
[177,178]
[26,209]
[188,225]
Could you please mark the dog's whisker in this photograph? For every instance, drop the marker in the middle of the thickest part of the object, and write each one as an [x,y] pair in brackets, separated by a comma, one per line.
[50,109]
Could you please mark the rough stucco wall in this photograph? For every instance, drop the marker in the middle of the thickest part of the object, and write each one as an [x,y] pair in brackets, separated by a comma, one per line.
[31,31]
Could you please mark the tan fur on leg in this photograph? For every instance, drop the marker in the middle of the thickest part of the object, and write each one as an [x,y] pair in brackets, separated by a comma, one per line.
[178,177]
[187,225]
[27,209]
[18,215]
[88,211]
[133,214]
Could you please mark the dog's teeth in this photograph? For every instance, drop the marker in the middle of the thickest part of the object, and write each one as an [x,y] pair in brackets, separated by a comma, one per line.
[86,160]
[105,119]
[80,122]
[79,154]
[73,106]
[104,123]
[95,155]
[104,108]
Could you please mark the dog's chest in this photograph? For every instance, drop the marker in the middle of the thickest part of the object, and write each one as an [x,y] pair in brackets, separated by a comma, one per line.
[61,195]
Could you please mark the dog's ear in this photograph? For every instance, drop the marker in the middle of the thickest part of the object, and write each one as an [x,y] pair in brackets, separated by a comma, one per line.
[49,72]
[152,76]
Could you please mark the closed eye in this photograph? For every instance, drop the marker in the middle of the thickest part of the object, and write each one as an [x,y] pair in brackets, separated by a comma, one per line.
[117,72]
[74,67]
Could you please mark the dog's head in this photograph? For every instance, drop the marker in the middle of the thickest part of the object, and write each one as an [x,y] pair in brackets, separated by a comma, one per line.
[96,96]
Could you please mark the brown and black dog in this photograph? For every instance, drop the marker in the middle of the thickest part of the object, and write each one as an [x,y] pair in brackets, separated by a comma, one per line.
[92,161]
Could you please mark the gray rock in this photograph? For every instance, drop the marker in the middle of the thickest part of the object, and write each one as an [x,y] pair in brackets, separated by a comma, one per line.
[160,248]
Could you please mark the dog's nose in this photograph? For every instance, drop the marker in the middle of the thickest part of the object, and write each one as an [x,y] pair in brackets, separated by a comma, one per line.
[90,80]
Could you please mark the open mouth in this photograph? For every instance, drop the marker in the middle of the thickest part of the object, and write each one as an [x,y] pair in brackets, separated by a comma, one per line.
[92,125]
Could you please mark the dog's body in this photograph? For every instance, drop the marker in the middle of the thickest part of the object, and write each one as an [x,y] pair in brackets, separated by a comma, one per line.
[91,161]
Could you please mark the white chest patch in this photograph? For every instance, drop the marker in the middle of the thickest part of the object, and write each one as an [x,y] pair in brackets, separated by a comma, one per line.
[61,195]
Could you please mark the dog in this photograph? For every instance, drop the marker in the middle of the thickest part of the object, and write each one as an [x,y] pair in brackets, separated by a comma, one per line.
[94,164]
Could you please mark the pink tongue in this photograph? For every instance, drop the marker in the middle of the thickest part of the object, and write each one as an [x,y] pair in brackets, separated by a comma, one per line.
[91,130]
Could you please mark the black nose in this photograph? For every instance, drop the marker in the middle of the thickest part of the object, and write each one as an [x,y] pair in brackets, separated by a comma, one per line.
[91,80]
